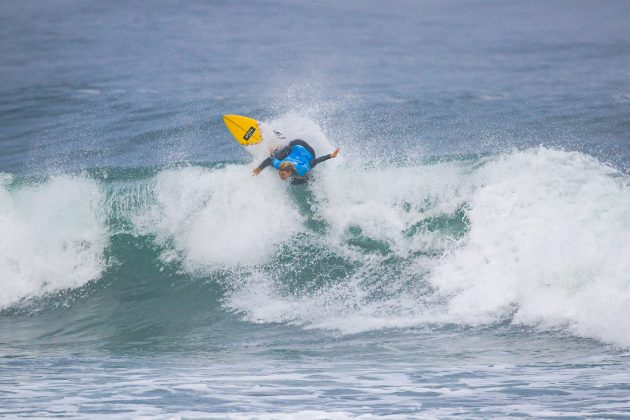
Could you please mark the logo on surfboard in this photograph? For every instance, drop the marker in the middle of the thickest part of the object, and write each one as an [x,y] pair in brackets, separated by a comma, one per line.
[249,133]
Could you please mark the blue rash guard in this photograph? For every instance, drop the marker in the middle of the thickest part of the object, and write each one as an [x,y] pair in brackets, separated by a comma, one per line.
[299,157]
[300,154]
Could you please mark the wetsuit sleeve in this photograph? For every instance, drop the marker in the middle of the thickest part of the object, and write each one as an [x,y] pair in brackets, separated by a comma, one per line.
[265,163]
[320,159]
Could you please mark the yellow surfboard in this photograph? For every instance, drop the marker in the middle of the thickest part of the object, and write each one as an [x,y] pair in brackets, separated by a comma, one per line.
[245,130]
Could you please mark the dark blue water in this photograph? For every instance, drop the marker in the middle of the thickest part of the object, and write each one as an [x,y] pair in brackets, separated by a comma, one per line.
[467,253]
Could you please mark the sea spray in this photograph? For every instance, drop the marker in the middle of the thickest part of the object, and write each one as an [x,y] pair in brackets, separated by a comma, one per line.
[219,218]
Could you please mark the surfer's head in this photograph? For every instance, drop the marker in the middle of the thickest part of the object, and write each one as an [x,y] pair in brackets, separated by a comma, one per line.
[285,170]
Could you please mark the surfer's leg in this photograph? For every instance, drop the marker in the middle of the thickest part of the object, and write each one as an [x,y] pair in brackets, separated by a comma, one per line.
[299,180]
[282,153]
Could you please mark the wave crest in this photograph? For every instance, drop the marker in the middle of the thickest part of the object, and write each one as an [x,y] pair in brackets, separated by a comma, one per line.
[52,236]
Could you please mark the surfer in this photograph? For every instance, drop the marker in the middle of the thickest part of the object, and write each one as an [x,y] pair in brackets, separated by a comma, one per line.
[294,160]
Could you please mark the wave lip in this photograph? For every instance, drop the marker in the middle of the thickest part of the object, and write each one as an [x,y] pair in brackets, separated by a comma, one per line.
[549,247]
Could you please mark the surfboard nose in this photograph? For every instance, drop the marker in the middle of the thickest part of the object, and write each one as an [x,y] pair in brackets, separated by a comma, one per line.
[245,130]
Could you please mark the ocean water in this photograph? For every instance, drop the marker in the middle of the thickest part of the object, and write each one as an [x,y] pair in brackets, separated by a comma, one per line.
[466,255]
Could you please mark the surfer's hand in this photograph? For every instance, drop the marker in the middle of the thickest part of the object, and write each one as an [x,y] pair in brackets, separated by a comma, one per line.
[335,153]
[256,172]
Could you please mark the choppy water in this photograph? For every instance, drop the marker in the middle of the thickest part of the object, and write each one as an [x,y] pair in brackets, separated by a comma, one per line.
[468,254]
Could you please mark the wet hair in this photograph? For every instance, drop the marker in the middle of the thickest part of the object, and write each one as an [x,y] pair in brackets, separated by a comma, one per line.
[287,166]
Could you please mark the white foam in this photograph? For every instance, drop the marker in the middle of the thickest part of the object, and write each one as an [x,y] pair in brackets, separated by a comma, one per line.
[52,236]
[220,217]
[548,246]
[89,91]
[549,240]
[385,203]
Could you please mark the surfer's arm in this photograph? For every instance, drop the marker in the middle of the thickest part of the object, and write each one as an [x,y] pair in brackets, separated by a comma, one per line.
[321,159]
[267,162]
[262,166]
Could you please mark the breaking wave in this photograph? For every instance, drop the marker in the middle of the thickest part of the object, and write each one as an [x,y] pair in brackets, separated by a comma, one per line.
[538,238]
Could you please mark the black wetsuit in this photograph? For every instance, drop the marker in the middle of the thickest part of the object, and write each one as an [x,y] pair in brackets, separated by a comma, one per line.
[283,153]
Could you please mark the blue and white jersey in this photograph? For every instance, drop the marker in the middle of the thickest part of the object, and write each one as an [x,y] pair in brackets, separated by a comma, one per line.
[299,157]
